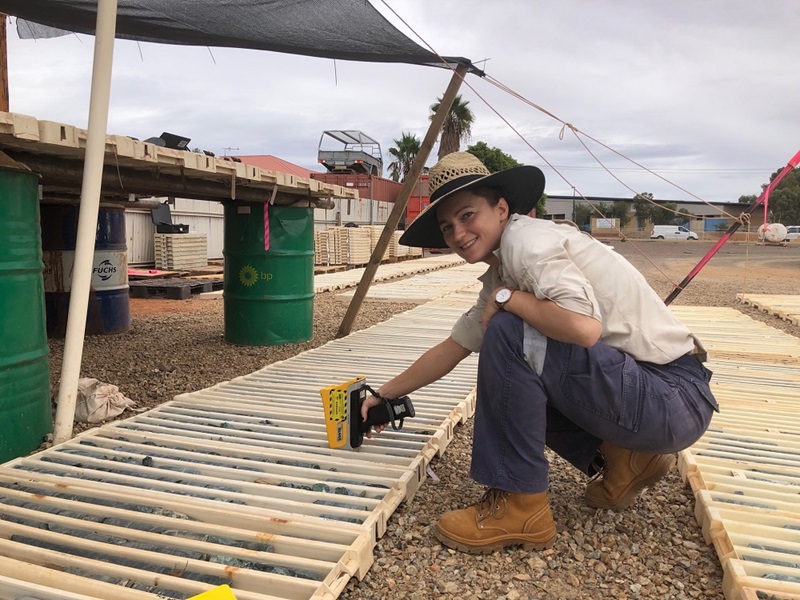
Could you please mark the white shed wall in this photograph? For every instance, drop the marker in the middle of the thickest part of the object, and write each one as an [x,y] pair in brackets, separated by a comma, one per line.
[207,217]
[202,217]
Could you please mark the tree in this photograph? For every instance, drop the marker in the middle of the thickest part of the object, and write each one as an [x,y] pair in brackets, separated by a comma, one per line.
[643,208]
[784,200]
[583,215]
[683,217]
[457,126]
[611,210]
[496,160]
[620,211]
[405,150]
[664,213]
[541,206]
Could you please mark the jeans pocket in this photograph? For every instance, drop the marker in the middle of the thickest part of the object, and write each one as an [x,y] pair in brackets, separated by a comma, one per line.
[705,392]
[610,392]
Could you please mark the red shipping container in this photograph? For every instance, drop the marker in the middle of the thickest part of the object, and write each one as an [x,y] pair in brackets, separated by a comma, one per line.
[368,186]
[419,199]
[421,187]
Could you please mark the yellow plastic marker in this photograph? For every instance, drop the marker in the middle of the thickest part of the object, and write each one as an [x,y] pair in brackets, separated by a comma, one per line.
[222,592]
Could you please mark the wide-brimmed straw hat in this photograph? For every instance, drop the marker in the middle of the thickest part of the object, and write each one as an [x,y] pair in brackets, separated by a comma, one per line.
[520,186]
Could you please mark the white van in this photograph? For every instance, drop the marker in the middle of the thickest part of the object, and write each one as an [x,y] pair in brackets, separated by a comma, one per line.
[792,232]
[672,232]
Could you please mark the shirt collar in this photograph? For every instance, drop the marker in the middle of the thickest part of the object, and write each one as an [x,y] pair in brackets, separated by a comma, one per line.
[497,253]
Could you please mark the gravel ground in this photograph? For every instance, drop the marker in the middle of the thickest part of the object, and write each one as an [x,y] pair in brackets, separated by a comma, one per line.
[652,550]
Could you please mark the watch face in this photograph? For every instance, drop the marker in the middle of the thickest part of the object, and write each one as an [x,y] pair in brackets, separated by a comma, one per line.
[503,295]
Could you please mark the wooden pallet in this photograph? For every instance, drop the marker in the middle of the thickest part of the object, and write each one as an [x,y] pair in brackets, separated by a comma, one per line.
[231,484]
[745,471]
[424,287]
[786,307]
[173,289]
[137,274]
[387,271]
[321,269]
[208,270]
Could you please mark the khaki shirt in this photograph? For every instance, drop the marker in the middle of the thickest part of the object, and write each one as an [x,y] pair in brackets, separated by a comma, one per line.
[559,263]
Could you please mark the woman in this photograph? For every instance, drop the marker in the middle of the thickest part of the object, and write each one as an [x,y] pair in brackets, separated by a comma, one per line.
[577,353]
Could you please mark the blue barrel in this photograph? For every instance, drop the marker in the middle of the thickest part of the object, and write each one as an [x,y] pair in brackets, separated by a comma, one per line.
[268,294]
[25,412]
[109,299]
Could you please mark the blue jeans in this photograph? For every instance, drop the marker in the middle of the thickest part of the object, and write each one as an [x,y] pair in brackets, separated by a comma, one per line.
[584,396]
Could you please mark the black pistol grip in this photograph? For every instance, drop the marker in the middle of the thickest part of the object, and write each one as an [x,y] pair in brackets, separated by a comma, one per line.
[377,415]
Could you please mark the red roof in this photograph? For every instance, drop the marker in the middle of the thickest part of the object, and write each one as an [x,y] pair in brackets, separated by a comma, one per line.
[273,163]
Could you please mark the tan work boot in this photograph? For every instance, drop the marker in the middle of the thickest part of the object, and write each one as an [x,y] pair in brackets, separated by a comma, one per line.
[500,519]
[625,474]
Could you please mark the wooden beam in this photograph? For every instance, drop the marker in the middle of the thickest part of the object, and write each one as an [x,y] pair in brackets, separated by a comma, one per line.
[402,200]
[64,176]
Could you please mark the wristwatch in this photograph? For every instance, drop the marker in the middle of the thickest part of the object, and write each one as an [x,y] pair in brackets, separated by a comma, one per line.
[502,296]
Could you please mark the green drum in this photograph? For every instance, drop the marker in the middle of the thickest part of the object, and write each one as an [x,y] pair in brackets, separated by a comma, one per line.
[25,412]
[268,294]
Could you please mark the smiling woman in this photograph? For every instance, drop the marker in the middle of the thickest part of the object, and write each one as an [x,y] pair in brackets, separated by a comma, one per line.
[472,222]
[595,368]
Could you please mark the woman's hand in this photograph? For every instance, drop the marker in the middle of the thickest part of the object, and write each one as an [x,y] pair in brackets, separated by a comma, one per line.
[365,406]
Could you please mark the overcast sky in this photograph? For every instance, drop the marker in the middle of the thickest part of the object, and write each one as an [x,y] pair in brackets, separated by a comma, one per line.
[703,92]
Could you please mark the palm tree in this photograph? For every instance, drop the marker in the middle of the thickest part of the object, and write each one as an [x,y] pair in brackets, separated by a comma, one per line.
[457,125]
[404,153]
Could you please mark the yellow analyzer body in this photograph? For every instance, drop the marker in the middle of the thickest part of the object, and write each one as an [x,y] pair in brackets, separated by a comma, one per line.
[342,407]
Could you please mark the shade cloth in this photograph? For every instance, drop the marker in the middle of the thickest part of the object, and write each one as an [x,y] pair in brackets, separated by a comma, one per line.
[338,29]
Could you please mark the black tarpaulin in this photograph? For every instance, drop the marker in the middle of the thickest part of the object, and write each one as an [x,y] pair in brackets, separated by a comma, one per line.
[340,29]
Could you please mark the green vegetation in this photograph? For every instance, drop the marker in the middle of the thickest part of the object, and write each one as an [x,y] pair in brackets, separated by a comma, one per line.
[456,129]
[404,152]
[494,158]
[784,200]
[497,160]
[663,213]
[457,125]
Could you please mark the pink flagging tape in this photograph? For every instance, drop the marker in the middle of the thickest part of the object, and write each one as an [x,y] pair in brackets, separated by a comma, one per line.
[266,226]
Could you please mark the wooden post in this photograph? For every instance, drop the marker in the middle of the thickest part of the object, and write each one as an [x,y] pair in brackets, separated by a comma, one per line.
[402,200]
[4,103]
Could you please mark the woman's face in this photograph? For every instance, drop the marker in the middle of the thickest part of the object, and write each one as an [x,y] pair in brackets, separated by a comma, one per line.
[471,226]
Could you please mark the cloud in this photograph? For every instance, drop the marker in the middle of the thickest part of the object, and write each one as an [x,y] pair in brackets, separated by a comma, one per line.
[704,91]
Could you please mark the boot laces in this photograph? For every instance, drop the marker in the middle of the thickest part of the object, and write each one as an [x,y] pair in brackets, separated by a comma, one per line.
[600,466]
[492,504]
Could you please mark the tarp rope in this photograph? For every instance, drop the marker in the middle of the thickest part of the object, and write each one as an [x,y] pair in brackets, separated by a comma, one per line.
[738,220]
[726,236]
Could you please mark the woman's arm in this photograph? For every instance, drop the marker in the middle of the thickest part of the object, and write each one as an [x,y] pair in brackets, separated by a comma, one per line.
[431,366]
[549,318]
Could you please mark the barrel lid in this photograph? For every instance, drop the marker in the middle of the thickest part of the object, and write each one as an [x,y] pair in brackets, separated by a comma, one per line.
[8,163]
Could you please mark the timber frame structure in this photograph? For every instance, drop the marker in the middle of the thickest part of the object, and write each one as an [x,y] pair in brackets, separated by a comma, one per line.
[56,151]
